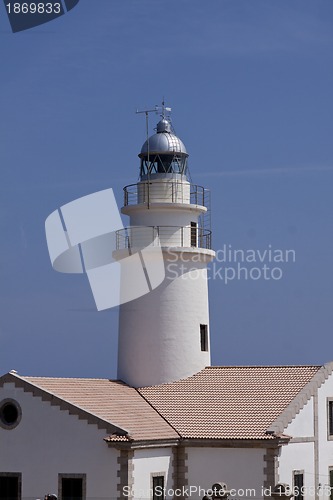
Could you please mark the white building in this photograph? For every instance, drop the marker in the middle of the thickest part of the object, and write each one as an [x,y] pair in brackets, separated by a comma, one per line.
[171,420]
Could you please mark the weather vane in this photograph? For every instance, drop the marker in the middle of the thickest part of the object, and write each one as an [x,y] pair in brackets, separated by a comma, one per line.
[162,110]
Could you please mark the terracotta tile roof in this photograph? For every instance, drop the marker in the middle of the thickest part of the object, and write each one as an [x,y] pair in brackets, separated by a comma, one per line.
[110,401]
[229,402]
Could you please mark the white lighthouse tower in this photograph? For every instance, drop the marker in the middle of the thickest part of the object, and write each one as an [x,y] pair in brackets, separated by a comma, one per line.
[164,335]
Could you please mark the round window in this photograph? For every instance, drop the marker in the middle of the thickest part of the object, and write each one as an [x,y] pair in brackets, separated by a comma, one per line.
[10,414]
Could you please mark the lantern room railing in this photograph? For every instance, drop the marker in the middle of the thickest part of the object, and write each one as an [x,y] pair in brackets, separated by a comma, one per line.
[164,236]
[167,192]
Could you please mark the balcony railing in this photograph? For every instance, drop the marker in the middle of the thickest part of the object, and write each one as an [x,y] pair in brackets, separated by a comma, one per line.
[164,236]
[166,192]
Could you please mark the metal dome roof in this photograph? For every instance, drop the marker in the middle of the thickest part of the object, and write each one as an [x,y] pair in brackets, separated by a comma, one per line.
[164,141]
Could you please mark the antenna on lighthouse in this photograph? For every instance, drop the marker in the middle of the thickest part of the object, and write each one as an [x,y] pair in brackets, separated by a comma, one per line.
[146,112]
[163,110]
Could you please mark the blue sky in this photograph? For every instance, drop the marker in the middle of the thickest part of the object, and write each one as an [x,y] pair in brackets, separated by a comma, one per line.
[250,85]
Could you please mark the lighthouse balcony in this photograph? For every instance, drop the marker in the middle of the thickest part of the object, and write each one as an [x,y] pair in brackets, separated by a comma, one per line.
[139,237]
[166,191]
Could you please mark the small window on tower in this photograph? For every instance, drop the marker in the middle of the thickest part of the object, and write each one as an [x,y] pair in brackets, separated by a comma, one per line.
[194,234]
[204,337]
[330,418]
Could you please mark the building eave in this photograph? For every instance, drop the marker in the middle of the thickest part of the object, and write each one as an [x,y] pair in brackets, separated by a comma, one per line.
[263,443]
[139,444]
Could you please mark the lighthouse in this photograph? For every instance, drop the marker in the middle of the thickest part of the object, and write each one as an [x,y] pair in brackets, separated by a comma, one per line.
[164,335]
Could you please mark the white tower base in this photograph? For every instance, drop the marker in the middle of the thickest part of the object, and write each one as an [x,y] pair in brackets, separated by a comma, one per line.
[160,333]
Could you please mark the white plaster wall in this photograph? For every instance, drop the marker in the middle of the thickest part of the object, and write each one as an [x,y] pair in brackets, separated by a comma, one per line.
[146,462]
[325,445]
[298,456]
[164,217]
[49,441]
[164,190]
[239,468]
[159,333]
[169,236]
[302,424]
